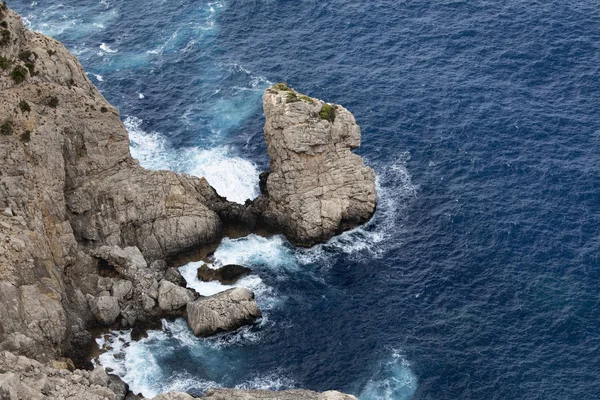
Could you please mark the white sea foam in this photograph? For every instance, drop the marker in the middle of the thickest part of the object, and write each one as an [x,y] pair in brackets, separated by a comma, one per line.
[272,253]
[139,362]
[106,48]
[231,176]
[396,191]
[392,380]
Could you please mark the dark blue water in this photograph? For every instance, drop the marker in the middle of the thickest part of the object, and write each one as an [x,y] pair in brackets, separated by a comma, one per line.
[479,277]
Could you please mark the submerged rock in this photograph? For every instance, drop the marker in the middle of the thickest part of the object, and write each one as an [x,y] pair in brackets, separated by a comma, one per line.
[225,311]
[316,187]
[227,275]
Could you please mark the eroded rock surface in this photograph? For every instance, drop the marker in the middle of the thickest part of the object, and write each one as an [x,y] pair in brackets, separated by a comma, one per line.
[68,186]
[227,274]
[222,312]
[32,380]
[316,187]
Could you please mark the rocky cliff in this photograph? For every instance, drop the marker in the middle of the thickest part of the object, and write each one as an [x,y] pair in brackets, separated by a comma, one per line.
[316,187]
[85,232]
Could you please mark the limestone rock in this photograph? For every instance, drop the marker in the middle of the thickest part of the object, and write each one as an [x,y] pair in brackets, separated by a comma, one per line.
[316,187]
[236,394]
[173,396]
[172,297]
[99,377]
[225,311]
[227,274]
[173,275]
[105,309]
[68,184]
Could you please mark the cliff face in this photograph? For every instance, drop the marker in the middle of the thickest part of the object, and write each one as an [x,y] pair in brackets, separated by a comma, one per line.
[68,184]
[85,231]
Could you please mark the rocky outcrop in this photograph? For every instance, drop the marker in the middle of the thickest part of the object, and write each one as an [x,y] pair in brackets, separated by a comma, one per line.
[316,187]
[172,297]
[222,312]
[236,394]
[85,231]
[68,186]
[227,274]
[30,379]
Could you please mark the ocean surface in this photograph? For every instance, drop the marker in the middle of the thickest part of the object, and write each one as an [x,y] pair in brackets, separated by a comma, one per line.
[478,277]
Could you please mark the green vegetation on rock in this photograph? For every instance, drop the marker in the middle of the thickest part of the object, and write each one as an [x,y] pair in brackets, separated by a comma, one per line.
[6,128]
[24,106]
[25,136]
[327,112]
[5,62]
[52,102]
[4,37]
[19,74]
[281,86]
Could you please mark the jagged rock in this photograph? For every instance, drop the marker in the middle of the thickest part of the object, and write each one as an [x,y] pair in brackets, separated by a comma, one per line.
[36,382]
[173,396]
[236,394]
[99,377]
[69,181]
[105,309]
[227,275]
[173,275]
[172,297]
[317,187]
[122,290]
[126,262]
[225,311]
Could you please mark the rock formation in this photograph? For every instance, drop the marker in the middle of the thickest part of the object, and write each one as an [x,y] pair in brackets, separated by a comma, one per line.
[85,231]
[316,187]
[227,274]
[32,380]
[234,394]
[222,312]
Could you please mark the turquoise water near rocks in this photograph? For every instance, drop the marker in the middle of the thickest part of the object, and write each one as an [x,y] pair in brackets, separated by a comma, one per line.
[477,278]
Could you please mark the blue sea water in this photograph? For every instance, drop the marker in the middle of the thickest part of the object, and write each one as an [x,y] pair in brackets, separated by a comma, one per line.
[479,276]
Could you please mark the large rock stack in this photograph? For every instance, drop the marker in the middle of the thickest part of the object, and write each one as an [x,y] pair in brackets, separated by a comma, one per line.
[316,187]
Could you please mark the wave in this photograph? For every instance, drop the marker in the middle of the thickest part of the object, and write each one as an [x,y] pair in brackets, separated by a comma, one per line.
[173,359]
[392,380]
[231,176]
[396,192]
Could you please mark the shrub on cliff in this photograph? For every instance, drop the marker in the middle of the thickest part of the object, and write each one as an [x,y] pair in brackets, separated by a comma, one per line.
[281,86]
[19,74]
[24,106]
[6,128]
[327,112]
[5,62]
[4,37]
[25,136]
[52,102]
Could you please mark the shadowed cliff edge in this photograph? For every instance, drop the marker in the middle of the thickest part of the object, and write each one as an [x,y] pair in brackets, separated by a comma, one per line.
[85,231]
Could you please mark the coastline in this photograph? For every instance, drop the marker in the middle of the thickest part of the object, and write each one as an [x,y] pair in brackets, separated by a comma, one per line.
[100,279]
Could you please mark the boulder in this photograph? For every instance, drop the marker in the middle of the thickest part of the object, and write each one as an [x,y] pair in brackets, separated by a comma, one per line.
[225,311]
[227,275]
[122,290]
[172,297]
[99,377]
[317,187]
[105,309]
[173,275]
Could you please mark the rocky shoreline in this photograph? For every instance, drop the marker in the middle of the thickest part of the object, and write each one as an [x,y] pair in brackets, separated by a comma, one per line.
[86,233]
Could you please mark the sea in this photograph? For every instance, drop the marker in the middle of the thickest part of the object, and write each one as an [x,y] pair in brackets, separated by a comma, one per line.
[479,275]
